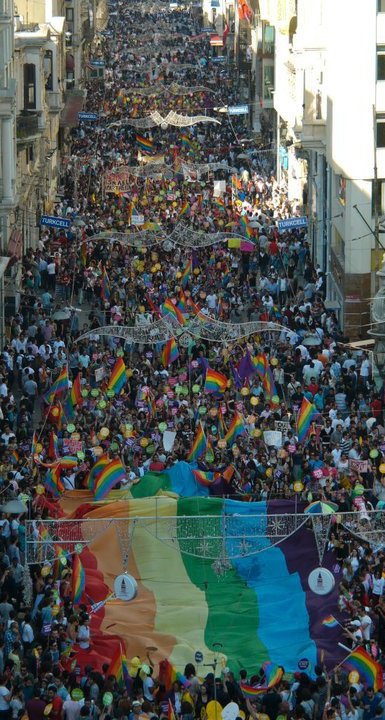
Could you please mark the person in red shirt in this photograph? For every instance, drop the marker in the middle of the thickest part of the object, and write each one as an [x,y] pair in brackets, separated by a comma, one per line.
[56,703]
[35,706]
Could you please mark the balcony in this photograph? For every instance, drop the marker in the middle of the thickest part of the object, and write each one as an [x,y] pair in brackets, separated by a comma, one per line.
[54,101]
[27,126]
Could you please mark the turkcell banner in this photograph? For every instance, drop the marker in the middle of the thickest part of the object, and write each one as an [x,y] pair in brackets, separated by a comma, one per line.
[53,221]
[290,223]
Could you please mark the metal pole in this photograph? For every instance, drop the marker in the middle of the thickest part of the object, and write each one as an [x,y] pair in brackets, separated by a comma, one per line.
[278,149]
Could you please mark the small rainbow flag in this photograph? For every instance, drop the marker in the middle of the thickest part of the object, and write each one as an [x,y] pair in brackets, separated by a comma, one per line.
[169,353]
[306,416]
[105,289]
[251,692]
[111,475]
[215,382]
[95,471]
[261,364]
[14,455]
[68,462]
[59,387]
[199,445]
[218,202]
[185,209]
[204,478]
[268,384]
[186,274]
[187,143]
[53,446]
[182,303]
[78,580]
[245,227]
[330,622]
[168,675]
[116,667]
[118,377]
[170,711]
[53,482]
[273,673]
[236,428]
[168,307]
[144,144]
[369,670]
[222,430]
[74,398]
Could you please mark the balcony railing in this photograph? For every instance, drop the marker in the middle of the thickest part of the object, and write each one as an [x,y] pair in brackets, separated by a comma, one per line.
[27,125]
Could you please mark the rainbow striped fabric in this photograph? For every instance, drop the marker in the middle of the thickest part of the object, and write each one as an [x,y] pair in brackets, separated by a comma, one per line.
[236,428]
[118,377]
[215,382]
[307,414]
[53,482]
[186,274]
[219,204]
[95,471]
[245,226]
[144,144]
[168,308]
[59,387]
[205,478]
[74,398]
[199,445]
[111,475]
[185,209]
[369,670]
[268,384]
[78,580]
[330,622]
[261,364]
[170,352]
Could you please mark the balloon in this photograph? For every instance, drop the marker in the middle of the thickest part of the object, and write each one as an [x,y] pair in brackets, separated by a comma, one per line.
[195,388]
[162,426]
[110,393]
[39,448]
[84,393]
[104,433]
[382,468]
[71,428]
[274,362]
[107,699]
[102,404]
[143,442]
[374,453]
[254,400]
[95,392]
[39,489]
[353,677]
[245,391]
[298,486]
[275,400]
[46,569]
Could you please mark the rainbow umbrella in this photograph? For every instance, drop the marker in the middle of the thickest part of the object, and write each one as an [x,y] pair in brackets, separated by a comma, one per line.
[320,507]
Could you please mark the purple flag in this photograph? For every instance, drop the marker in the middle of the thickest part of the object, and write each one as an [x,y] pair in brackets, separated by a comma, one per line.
[245,366]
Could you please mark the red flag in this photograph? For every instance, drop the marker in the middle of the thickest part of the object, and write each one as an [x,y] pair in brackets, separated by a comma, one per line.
[225,34]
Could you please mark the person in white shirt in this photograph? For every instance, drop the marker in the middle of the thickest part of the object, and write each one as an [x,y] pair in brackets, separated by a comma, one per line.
[366,624]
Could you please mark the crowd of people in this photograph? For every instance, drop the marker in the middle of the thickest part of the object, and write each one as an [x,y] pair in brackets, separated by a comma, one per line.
[106,282]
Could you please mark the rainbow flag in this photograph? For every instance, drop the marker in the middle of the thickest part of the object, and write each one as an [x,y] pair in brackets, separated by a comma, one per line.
[260,363]
[144,144]
[53,482]
[218,203]
[186,274]
[169,353]
[116,667]
[187,143]
[95,471]
[168,675]
[204,478]
[14,455]
[273,673]
[126,674]
[209,454]
[168,307]
[236,428]
[215,382]
[182,303]
[118,377]
[74,398]
[53,447]
[245,227]
[68,461]
[306,416]
[330,622]
[78,580]
[222,430]
[185,209]
[59,387]
[199,445]
[268,384]
[111,475]
[369,670]
[105,289]
[251,692]
[170,711]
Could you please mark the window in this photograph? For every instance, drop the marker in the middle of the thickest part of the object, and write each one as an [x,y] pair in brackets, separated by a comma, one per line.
[380,197]
[48,70]
[338,244]
[268,81]
[29,86]
[381,62]
[70,14]
[380,123]
[268,40]
[380,6]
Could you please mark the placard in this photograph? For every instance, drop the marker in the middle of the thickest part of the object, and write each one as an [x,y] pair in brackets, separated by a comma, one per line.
[273,438]
[359,466]
[282,426]
[99,374]
[117,181]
